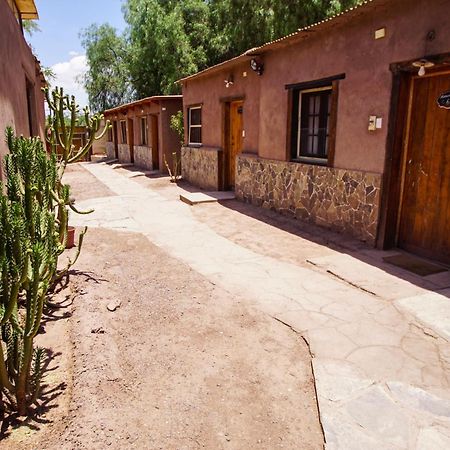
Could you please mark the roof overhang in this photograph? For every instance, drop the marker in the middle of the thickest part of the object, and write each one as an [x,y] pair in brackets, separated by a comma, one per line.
[27,9]
[143,101]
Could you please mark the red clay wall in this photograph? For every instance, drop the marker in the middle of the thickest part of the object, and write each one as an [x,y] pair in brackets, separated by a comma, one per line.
[17,65]
[168,140]
[209,90]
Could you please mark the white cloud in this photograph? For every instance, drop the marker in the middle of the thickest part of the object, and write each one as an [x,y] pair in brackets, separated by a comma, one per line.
[68,75]
[73,53]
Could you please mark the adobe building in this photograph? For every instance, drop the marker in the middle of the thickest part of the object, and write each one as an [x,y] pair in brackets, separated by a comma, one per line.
[21,79]
[141,132]
[343,124]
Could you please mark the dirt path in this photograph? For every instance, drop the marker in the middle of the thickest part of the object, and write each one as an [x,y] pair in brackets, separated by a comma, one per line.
[180,364]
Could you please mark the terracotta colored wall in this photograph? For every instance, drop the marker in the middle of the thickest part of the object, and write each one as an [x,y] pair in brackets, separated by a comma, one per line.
[349,49]
[17,64]
[209,90]
[99,146]
[168,140]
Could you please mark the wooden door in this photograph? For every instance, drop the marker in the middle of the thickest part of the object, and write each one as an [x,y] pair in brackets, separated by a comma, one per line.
[235,140]
[116,142]
[131,139]
[424,220]
[154,141]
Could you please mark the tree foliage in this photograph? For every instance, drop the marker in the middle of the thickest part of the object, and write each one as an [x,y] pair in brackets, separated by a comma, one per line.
[30,27]
[159,47]
[168,39]
[107,81]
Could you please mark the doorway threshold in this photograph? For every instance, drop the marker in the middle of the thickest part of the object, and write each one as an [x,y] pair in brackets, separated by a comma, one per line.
[196,198]
[415,264]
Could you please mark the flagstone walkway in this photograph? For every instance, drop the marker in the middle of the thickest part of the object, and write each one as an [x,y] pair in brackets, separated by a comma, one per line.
[379,344]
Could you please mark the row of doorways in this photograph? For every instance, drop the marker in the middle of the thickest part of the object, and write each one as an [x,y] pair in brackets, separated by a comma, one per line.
[420,191]
[127,136]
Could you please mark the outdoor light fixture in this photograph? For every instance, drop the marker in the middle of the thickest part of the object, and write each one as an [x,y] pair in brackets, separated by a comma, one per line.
[257,66]
[422,64]
[229,81]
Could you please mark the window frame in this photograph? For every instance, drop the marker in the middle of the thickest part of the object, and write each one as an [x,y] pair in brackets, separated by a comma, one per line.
[143,138]
[123,135]
[310,157]
[294,115]
[190,143]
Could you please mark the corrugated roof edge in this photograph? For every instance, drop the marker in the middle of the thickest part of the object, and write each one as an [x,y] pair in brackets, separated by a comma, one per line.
[257,50]
[154,98]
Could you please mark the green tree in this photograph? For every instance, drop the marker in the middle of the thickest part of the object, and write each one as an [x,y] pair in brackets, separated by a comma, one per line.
[107,81]
[30,27]
[238,25]
[160,51]
[168,39]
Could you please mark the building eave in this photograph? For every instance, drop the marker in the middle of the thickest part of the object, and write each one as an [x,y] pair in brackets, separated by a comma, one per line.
[143,101]
[27,9]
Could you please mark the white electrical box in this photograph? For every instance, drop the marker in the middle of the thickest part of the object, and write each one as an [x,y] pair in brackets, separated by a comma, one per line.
[380,33]
[375,123]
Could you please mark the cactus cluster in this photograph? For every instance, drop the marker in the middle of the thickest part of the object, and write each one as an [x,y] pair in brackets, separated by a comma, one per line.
[34,212]
[29,250]
[62,120]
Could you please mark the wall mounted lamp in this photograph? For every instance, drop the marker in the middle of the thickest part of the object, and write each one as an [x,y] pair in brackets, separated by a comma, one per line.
[257,65]
[229,81]
[422,64]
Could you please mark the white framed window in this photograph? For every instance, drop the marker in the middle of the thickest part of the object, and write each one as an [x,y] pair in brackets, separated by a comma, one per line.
[195,125]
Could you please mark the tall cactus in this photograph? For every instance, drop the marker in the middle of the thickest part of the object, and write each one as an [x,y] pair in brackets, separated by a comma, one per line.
[34,211]
[63,116]
[60,129]
[28,256]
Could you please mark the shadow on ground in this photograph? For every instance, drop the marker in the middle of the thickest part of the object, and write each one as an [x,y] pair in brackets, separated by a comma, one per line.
[439,282]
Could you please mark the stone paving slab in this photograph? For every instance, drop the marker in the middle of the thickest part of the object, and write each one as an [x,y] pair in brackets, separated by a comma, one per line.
[366,276]
[432,309]
[382,382]
[109,161]
[142,173]
[197,198]
[121,165]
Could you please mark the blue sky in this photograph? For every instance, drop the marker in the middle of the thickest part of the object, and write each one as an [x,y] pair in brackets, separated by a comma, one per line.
[58,45]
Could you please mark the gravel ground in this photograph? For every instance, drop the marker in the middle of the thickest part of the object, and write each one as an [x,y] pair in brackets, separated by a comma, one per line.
[148,354]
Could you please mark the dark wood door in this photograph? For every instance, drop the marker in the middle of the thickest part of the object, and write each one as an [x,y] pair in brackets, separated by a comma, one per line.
[116,142]
[424,224]
[131,139]
[154,141]
[235,138]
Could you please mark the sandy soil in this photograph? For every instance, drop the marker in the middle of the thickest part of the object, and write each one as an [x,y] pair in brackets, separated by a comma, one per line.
[179,364]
